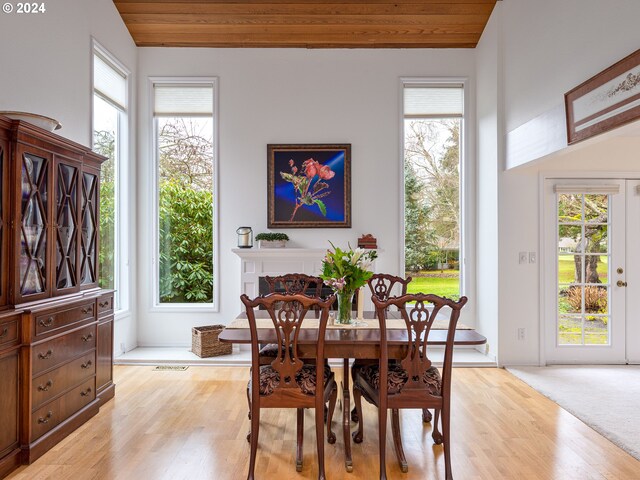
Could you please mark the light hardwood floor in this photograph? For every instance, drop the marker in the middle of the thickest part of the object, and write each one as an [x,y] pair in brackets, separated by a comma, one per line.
[192,425]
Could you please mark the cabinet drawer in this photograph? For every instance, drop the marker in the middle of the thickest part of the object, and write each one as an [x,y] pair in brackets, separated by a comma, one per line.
[9,331]
[46,324]
[57,411]
[56,351]
[105,305]
[50,385]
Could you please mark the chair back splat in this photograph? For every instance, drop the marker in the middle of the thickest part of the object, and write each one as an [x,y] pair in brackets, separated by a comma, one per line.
[383,284]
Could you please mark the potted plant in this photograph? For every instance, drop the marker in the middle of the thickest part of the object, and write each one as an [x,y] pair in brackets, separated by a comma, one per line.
[272,240]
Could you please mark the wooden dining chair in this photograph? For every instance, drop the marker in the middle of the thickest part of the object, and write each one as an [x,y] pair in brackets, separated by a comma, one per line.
[382,286]
[289,283]
[413,382]
[289,382]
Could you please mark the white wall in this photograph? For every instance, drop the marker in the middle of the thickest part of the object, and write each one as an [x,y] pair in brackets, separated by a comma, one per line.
[549,48]
[489,142]
[288,96]
[46,69]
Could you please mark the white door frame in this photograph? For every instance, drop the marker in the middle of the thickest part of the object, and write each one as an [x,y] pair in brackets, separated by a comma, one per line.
[633,272]
[544,272]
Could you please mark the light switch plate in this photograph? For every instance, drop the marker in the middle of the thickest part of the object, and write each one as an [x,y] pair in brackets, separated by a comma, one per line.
[523,258]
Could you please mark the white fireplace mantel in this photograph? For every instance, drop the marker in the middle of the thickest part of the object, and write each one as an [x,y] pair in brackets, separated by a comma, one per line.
[260,262]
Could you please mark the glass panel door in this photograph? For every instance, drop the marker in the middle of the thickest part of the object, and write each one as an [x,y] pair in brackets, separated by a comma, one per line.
[584,250]
[88,259]
[3,213]
[66,230]
[33,228]
[583,274]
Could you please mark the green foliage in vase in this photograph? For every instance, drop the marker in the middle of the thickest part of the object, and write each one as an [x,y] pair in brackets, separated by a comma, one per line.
[347,270]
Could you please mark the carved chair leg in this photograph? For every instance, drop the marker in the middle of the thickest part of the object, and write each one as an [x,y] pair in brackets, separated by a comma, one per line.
[253,435]
[300,437]
[382,442]
[397,440]
[331,437]
[249,401]
[436,435]
[446,443]
[426,415]
[320,443]
[357,399]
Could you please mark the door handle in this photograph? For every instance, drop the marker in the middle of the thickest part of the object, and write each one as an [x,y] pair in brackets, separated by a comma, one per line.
[620,283]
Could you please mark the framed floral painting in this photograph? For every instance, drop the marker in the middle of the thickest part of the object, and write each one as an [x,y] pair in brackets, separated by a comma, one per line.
[309,185]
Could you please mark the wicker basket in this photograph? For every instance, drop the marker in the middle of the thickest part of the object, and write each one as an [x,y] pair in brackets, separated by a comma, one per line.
[205,341]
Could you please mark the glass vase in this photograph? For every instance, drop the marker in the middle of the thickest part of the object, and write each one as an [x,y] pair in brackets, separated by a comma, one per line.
[345,302]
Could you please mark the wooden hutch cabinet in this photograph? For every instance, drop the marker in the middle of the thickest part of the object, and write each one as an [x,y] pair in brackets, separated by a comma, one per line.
[56,324]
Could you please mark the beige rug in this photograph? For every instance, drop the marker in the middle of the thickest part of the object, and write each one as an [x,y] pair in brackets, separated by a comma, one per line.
[605,397]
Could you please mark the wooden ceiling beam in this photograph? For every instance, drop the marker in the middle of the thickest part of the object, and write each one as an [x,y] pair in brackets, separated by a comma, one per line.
[297,23]
[305,8]
[214,19]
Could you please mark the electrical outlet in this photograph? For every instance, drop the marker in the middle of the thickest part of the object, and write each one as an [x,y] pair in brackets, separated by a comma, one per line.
[523,258]
[532,257]
[521,334]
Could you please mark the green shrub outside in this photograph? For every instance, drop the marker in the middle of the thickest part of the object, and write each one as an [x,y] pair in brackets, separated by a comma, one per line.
[186,244]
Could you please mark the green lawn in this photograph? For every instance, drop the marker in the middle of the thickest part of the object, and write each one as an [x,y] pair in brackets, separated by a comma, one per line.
[566,268]
[448,286]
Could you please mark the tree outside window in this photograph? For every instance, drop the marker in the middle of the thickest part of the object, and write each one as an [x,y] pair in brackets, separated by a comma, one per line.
[432,205]
[185,209]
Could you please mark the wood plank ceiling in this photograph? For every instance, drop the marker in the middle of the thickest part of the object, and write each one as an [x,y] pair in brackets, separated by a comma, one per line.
[306,23]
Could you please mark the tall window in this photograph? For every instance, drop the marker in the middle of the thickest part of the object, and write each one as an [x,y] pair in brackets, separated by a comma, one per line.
[184,133]
[432,144]
[109,139]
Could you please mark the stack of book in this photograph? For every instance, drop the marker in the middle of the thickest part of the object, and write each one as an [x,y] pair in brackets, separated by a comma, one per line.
[367,241]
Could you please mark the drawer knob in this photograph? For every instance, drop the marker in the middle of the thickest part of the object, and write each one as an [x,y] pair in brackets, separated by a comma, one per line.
[47,418]
[86,392]
[86,364]
[86,338]
[87,310]
[103,304]
[44,356]
[5,332]
[46,323]
[46,386]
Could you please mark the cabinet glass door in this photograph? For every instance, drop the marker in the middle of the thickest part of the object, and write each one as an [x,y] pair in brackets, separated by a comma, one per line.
[33,228]
[66,226]
[88,262]
[3,212]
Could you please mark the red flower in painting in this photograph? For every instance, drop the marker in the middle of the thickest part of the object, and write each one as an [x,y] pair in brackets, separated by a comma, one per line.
[310,167]
[326,173]
[309,192]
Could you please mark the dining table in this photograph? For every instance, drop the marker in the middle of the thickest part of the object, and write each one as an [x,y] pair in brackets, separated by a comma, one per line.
[346,342]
